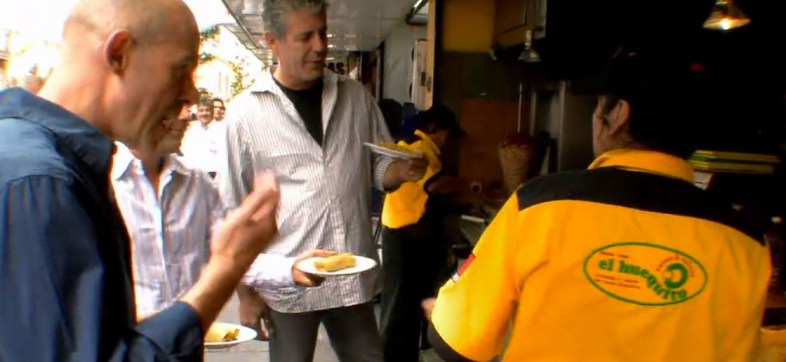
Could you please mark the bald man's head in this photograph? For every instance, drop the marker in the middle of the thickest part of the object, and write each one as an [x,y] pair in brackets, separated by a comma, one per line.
[135,58]
[147,20]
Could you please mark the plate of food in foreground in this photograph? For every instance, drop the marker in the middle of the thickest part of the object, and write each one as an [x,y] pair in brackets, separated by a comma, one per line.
[393,150]
[224,335]
[339,264]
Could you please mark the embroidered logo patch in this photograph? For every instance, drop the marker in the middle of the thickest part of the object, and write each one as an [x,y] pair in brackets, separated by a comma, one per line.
[645,274]
[463,268]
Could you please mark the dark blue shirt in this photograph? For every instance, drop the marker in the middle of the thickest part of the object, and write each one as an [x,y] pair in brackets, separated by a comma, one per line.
[66,292]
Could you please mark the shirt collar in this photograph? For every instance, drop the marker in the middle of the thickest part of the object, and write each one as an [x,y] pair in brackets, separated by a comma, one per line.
[174,163]
[266,83]
[428,142]
[124,159]
[646,161]
[86,141]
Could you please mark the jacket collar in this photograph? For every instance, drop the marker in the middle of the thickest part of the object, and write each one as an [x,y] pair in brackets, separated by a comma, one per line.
[646,161]
[86,141]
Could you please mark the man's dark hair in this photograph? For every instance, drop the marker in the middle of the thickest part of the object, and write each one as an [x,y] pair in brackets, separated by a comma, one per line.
[664,97]
[218,100]
[438,118]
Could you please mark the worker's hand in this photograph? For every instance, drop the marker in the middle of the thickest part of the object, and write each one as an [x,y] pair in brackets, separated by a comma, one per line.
[428,307]
[414,169]
[304,279]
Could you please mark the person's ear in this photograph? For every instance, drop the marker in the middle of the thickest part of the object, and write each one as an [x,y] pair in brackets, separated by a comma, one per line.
[117,51]
[618,118]
[272,41]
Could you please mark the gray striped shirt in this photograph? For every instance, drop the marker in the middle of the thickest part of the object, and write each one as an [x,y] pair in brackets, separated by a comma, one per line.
[325,191]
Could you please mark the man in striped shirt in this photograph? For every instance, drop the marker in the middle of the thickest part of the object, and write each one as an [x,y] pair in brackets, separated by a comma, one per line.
[308,126]
[171,212]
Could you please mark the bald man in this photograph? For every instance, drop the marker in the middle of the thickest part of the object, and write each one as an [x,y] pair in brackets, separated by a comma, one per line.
[65,278]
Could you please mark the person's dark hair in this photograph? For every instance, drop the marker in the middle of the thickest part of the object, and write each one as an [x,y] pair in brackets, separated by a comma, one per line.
[664,97]
[437,118]
[218,100]
[392,112]
[669,126]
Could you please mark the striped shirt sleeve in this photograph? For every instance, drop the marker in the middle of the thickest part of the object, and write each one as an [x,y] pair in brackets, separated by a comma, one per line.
[379,134]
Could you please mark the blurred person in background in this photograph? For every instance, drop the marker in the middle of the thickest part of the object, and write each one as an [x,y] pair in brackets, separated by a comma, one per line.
[204,137]
[33,83]
[219,110]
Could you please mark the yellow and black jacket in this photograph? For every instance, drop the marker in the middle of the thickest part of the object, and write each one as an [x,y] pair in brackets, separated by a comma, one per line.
[627,261]
[407,205]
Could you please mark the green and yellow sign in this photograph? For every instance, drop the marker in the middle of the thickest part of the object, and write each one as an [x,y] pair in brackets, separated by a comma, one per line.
[645,274]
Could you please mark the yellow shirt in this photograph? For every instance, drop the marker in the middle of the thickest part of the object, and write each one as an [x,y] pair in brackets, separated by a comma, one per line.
[407,204]
[627,261]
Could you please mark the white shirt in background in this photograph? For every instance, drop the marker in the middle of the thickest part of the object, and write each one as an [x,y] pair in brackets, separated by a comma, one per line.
[202,146]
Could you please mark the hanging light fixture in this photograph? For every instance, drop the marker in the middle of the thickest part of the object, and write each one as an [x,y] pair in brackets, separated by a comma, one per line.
[529,54]
[726,15]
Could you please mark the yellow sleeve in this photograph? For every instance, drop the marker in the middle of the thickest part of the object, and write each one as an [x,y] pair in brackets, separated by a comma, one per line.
[474,309]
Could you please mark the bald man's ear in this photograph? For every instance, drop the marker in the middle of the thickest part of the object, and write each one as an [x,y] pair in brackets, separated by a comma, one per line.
[117,50]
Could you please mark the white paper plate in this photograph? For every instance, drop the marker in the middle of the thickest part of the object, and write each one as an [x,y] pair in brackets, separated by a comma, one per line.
[393,153]
[363,264]
[246,334]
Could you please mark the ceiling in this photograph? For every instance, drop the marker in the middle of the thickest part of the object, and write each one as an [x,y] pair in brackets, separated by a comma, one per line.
[353,25]
[743,69]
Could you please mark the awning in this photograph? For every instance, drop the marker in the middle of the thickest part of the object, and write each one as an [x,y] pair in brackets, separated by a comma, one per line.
[353,25]
[249,29]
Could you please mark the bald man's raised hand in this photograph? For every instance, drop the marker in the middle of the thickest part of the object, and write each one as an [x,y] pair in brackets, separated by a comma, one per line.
[244,234]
